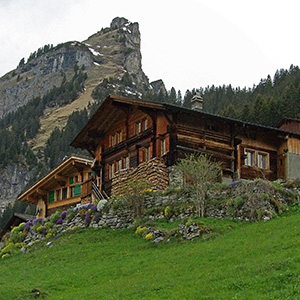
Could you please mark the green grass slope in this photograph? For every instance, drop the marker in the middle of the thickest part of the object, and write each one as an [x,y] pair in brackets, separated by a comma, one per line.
[239,261]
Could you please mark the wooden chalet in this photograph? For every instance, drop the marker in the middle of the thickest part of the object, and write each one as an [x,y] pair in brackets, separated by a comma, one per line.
[60,188]
[290,124]
[124,133]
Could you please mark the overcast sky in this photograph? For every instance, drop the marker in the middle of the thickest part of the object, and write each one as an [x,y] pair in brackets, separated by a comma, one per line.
[188,44]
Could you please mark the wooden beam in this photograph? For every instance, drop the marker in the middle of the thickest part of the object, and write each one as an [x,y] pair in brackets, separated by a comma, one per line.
[41,192]
[31,199]
[60,179]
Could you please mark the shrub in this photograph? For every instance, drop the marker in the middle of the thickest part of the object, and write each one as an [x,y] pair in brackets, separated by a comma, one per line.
[168,212]
[149,236]
[16,236]
[70,214]
[55,217]
[41,229]
[22,226]
[97,217]
[238,202]
[135,195]
[11,248]
[49,234]
[37,221]
[48,225]
[198,172]
[141,230]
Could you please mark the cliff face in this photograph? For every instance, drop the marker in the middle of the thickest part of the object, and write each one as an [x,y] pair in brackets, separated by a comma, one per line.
[112,52]
[40,74]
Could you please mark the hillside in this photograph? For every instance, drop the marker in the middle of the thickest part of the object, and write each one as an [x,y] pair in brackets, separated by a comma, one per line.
[236,261]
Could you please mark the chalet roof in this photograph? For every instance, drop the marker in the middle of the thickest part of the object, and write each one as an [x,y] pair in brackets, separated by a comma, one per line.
[113,107]
[111,110]
[59,174]
[287,119]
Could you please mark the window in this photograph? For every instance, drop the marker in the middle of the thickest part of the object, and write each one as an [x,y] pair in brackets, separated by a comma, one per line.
[138,127]
[249,159]
[145,154]
[163,147]
[256,159]
[112,140]
[262,160]
[127,161]
[115,138]
[144,124]
[64,193]
[58,195]
[141,126]
[119,165]
[111,170]
[119,136]
[71,191]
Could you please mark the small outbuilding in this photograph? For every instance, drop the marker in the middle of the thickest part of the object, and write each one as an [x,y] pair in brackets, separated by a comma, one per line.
[61,188]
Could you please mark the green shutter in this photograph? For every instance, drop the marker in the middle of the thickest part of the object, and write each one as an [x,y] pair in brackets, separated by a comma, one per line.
[51,197]
[77,190]
[71,180]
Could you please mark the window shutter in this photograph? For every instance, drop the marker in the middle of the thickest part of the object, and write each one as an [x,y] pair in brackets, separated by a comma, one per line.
[51,197]
[71,180]
[77,190]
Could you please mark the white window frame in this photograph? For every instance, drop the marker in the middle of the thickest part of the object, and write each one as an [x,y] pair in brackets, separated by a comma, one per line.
[163,146]
[255,158]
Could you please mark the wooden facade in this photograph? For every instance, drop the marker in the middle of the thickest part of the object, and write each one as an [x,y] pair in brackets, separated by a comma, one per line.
[125,132]
[61,188]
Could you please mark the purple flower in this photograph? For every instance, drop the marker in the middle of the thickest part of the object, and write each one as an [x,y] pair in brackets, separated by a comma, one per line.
[87,218]
[27,226]
[59,221]
[93,207]
[44,231]
[63,215]
[235,182]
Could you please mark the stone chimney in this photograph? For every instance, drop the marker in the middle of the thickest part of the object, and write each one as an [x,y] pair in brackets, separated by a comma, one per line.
[197,102]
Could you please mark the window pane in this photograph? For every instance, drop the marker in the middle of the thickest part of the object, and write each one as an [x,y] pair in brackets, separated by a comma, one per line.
[262,160]
[249,159]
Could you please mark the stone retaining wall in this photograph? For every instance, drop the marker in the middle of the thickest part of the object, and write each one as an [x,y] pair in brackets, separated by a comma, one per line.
[154,170]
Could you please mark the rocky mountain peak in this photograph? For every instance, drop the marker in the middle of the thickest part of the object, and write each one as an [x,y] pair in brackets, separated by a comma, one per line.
[111,52]
[118,22]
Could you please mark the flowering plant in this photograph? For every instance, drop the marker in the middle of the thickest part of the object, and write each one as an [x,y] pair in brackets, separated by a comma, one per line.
[87,218]
[63,215]
[149,236]
[141,230]
[59,221]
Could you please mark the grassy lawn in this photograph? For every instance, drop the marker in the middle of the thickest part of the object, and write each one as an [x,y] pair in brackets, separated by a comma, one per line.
[237,261]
